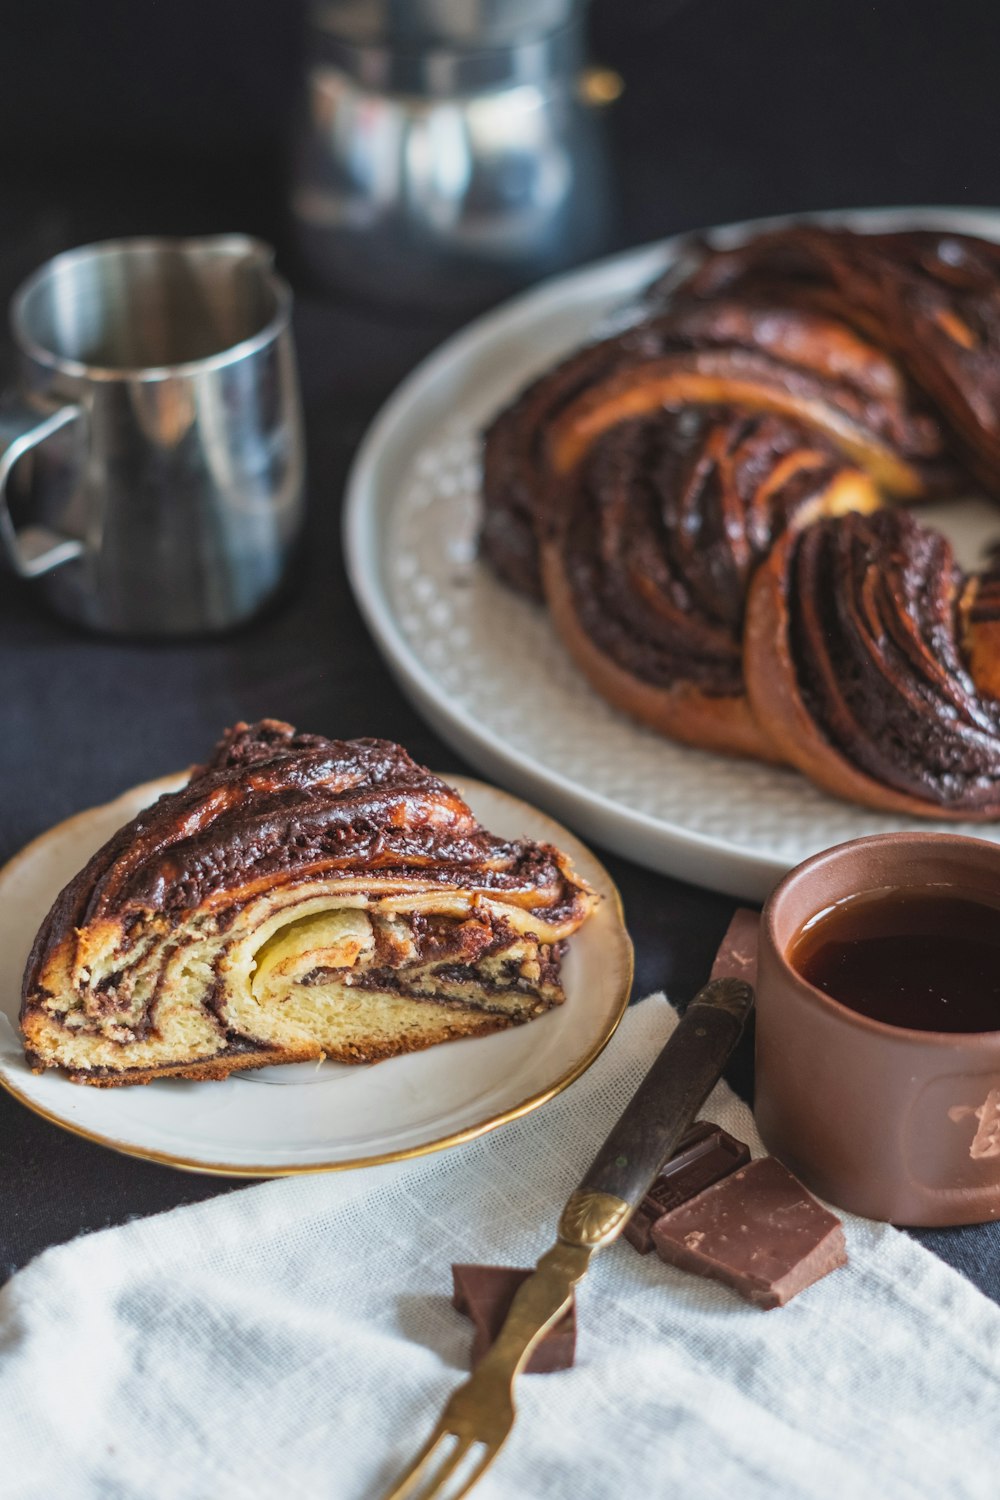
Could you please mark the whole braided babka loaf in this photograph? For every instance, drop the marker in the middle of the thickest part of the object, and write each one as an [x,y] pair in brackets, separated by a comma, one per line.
[701,502]
[299,898]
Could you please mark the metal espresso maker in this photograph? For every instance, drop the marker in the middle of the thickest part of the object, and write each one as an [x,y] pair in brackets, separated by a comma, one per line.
[449,150]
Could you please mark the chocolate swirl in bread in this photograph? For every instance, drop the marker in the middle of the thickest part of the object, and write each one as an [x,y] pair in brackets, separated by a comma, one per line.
[929,298]
[854,652]
[791,362]
[654,540]
[514,461]
[298,898]
[516,471]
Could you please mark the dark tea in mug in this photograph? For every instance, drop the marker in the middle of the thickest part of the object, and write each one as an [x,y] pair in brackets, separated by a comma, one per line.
[925,959]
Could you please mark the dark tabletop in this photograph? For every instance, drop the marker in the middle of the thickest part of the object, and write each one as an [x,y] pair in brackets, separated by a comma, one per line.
[121,118]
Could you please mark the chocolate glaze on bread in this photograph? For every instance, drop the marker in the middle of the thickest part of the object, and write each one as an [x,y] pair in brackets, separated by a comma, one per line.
[656,535]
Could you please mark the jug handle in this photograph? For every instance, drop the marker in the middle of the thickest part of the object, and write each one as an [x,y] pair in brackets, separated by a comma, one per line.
[32,550]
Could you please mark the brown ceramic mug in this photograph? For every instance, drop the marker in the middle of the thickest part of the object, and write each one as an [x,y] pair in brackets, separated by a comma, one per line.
[885,1121]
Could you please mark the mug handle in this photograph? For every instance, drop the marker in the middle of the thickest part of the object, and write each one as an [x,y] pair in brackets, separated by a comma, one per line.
[32,550]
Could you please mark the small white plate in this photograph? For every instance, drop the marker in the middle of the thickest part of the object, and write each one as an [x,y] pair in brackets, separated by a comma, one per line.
[326,1117]
[485,667]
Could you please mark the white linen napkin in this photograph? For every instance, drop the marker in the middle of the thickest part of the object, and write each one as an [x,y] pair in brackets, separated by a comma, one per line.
[297,1339]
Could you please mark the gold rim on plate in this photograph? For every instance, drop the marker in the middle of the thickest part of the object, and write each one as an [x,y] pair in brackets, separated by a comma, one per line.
[605,885]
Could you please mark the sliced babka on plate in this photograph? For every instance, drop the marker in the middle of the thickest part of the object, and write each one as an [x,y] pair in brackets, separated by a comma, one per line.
[299,898]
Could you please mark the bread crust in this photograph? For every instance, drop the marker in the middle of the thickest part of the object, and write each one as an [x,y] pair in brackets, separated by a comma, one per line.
[241,1062]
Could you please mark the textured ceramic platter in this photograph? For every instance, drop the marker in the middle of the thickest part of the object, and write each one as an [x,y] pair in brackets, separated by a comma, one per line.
[308,1117]
[484,666]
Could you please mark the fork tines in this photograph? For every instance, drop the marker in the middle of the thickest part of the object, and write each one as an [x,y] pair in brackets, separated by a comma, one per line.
[418,1483]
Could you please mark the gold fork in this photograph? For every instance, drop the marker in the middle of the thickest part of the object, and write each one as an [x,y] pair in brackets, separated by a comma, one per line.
[480,1413]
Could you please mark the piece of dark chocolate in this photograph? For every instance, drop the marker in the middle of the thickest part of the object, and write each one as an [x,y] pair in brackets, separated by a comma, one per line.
[484,1294]
[758,1230]
[737,955]
[705,1155]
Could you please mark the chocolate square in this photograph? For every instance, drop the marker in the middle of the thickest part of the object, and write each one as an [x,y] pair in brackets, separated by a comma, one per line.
[759,1231]
[484,1294]
[706,1154]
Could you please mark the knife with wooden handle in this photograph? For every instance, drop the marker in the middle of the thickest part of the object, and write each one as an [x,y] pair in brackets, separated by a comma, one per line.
[640,1143]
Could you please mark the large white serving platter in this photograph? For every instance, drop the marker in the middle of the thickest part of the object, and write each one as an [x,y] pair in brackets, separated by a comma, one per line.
[484,666]
[308,1117]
